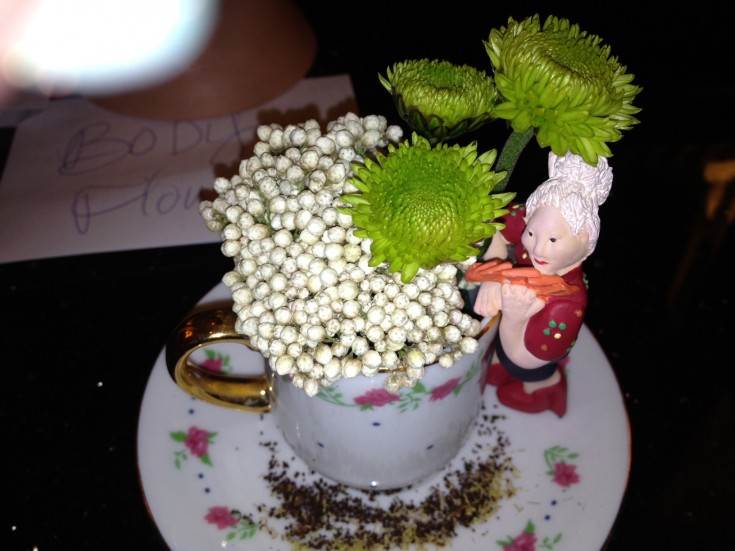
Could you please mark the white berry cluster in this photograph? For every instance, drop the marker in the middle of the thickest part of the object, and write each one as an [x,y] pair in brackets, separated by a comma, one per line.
[302,285]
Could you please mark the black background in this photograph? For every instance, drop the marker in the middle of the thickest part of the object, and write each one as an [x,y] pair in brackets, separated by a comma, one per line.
[661,294]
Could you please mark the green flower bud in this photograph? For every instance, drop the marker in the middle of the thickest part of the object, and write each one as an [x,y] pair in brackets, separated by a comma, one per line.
[422,205]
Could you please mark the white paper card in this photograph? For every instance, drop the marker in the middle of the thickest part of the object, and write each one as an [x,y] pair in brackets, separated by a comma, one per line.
[80,179]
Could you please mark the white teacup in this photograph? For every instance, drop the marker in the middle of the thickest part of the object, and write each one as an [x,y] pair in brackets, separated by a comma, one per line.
[354,431]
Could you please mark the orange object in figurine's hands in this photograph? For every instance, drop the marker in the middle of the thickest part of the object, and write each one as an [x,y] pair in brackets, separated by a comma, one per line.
[502,271]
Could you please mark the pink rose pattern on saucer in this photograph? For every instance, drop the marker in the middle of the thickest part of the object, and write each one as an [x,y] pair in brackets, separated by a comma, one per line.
[527,540]
[239,526]
[558,459]
[563,473]
[196,442]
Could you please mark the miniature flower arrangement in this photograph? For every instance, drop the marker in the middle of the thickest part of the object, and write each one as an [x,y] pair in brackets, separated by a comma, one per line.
[349,244]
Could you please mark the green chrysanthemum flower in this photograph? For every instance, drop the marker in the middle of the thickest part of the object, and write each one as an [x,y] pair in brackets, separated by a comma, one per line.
[439,100]
[422,206]
[562,82]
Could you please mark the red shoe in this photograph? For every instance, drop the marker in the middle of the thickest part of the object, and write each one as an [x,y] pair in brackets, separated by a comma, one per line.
[497,375]
[552,397]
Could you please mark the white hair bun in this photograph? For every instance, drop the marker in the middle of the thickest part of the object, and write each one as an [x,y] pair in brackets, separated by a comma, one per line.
[595,181]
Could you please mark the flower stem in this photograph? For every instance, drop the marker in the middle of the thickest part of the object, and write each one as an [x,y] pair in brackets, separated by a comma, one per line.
[514,146]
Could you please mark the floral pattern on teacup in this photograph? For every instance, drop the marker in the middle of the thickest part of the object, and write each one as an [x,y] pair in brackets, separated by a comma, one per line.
[527,540]
[196,441]
[241,526]
[409,400]
[377,397]
[563,472]
[216,361]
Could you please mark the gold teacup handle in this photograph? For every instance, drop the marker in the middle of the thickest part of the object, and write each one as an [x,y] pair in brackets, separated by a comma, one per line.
[216,325]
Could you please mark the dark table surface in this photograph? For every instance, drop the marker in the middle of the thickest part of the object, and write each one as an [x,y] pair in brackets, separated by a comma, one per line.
[81,334]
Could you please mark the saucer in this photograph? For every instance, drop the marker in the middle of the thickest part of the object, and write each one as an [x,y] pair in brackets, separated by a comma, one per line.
[206,471]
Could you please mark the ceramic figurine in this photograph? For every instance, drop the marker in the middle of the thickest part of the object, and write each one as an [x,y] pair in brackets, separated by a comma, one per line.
[541,290]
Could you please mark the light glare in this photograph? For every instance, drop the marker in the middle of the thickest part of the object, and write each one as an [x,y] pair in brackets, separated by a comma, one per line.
[93,46]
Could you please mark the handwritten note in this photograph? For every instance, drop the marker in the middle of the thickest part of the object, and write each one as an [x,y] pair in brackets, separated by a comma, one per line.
[80,179]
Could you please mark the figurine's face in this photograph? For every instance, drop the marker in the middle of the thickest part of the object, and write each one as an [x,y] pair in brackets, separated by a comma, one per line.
[553,247]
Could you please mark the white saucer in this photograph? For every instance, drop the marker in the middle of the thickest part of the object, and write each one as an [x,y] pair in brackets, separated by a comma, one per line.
[592,439]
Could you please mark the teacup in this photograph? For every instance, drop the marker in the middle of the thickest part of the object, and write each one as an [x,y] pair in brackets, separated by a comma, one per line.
[354,431]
